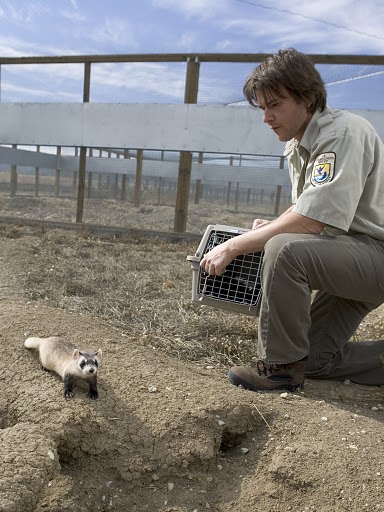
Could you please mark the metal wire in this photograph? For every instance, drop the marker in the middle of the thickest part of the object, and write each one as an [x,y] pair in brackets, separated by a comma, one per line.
[241,281]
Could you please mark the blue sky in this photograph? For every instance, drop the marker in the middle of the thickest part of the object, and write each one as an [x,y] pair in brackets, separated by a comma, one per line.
[72,27]
[65,27]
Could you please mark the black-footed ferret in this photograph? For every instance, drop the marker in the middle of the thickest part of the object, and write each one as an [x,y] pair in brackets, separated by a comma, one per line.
[72,364]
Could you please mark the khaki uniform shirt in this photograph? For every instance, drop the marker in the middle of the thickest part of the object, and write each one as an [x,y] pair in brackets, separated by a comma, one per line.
[337,173]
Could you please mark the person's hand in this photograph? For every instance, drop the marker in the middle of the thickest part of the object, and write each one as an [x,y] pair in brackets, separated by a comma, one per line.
[216,260]
[258,223]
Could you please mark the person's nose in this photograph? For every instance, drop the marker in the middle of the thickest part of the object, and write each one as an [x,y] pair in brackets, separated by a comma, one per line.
[267,116]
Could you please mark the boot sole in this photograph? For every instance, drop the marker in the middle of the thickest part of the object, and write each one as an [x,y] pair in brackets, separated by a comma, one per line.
[234,379]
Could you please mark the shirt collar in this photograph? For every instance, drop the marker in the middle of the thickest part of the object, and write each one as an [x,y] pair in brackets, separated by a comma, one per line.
[310,134]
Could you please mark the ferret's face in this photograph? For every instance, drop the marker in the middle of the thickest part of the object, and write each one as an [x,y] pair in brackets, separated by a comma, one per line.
[88,363]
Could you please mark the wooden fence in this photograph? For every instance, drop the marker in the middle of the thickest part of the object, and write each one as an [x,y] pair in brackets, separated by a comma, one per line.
[186,128]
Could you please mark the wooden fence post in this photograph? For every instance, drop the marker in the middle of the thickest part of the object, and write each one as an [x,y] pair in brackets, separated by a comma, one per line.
[277,202]
[185,162]
[124,181]
[116,186]
[139,175]
[197,192]
[83,150]
[81,185]
[237,196]
[13,183]
[159,191]
[99,184]
[89,187]
[37,176]
[124,186]
[229,193]
[57,174]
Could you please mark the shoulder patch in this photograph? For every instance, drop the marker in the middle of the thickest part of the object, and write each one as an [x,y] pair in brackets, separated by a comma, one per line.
[323,169]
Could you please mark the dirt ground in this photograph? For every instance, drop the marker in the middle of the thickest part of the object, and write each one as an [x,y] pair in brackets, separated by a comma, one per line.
[168,435]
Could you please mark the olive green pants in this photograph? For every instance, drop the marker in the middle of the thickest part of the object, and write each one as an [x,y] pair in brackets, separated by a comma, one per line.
[348,274]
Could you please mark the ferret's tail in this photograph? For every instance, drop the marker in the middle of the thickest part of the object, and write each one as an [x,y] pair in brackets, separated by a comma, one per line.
[32,343]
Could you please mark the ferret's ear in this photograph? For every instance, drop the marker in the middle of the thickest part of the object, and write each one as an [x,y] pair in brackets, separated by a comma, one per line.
[76,354]
[99,354]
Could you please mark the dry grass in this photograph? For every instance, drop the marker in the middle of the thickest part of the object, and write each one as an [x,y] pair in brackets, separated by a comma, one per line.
[108,212]
[141,287]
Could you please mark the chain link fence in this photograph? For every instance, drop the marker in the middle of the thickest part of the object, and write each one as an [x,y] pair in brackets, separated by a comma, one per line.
[228,188]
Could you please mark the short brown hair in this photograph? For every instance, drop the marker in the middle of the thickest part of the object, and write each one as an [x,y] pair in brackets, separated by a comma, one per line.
[287,71]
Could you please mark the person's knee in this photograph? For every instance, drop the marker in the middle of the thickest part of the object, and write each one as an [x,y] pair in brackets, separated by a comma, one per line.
[278,243]
[293,246]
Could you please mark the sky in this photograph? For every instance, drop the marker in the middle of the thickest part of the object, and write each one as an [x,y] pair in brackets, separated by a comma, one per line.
[83,27]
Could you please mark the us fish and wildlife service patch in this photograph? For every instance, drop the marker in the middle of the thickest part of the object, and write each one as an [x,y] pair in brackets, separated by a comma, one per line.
[323,169]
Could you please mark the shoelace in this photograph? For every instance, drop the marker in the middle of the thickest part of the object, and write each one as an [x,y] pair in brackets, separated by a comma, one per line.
[263,368]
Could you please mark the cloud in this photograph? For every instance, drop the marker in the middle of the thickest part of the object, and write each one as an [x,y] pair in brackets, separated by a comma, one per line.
[37,94]
[193,8]
[315,28]
[24,13]
[109,81]
[115,31]
[226,45]
[330,26]
[151,79]
[73,16]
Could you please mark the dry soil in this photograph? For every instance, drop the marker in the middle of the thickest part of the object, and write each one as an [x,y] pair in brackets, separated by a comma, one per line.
[167,435]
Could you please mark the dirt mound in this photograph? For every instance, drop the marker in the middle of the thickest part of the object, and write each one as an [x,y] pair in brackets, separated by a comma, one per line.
[166,435]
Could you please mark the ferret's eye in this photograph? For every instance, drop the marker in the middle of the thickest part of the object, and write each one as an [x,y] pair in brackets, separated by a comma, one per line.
[96,364]
[82,364]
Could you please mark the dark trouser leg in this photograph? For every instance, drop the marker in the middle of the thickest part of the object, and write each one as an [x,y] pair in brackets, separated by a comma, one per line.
[345,267]
[332,355]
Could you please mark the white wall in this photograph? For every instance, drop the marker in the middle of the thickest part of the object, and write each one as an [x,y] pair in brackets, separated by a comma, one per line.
[212,129]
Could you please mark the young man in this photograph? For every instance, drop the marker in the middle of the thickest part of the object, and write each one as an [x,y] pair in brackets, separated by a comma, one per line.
[330,240]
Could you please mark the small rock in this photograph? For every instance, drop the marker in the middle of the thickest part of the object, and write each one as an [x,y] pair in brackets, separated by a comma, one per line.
[244,450]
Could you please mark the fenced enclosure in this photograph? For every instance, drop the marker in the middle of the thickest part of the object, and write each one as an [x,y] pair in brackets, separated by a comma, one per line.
[174,159]
[52,194]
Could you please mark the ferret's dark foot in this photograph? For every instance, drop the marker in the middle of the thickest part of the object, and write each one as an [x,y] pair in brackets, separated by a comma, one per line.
[44,369]
[94,395]
[68,394]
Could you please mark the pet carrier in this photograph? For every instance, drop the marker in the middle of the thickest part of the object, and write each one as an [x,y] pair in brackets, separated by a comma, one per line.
[239,288]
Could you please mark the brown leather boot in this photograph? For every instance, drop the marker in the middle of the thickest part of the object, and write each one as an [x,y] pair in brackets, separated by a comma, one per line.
[266,377]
